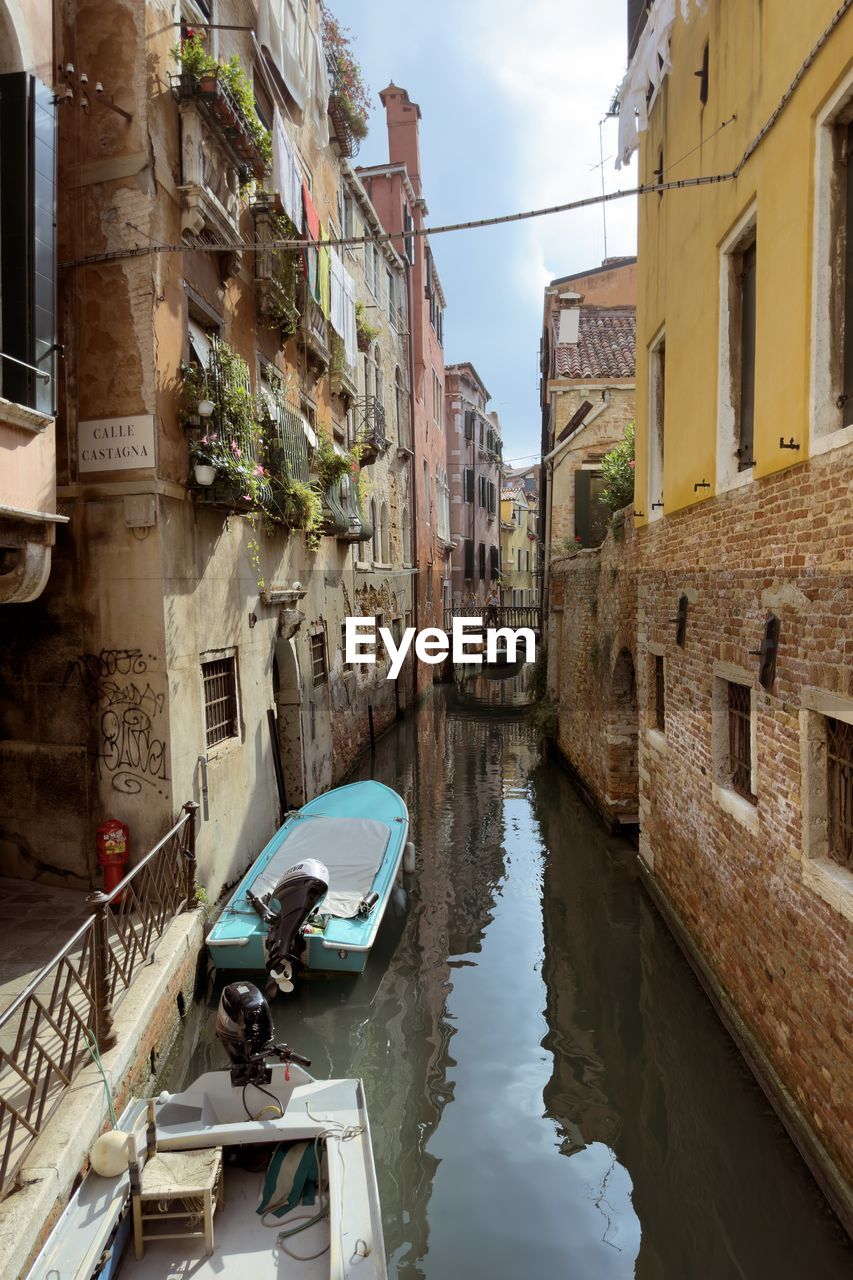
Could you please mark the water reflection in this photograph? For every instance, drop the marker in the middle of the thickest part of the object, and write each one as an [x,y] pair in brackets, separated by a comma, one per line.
[549,1091]
[496,688]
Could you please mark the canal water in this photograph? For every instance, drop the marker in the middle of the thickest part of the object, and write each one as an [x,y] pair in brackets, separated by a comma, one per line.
[550,1093]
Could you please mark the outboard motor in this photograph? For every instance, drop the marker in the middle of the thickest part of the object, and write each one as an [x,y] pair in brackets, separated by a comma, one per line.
[244,1026]
[297,893]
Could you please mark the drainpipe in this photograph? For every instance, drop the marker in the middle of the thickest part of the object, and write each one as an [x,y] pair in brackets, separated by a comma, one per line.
[413,472]
[550,460]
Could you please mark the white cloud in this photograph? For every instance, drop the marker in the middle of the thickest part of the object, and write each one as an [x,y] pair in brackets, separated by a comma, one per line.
[557,65]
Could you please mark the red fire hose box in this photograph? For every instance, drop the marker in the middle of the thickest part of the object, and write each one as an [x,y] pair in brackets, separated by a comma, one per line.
[113,852]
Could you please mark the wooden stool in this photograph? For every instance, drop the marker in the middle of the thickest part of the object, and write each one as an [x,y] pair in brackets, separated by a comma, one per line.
[174,1177]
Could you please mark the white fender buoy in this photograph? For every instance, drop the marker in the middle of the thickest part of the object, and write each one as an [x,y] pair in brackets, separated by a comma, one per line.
[409,857]
[108,1156]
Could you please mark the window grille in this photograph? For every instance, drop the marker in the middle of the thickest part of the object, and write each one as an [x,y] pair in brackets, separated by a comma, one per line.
[740,739]
[660,695]
[319,668]
[839,761]
[220,699]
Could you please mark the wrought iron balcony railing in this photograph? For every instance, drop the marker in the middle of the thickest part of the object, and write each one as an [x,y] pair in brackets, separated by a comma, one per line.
[371,436]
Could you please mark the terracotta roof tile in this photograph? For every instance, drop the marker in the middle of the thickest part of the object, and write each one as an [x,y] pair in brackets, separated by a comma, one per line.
[607,338]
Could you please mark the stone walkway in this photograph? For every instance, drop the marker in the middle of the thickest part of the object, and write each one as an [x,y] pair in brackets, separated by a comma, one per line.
[35,920]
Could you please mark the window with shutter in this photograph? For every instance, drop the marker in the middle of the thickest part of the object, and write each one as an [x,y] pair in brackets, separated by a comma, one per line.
[469,485]
[469,424]
[494,568]
[846,396]
[482,558]
[27,241]
[746,414]
[469,558]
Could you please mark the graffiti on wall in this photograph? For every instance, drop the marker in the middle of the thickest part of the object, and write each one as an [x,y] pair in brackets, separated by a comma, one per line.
[130,752]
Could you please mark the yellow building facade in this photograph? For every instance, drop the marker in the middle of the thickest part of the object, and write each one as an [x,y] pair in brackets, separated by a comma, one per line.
[519,548]
[786,201]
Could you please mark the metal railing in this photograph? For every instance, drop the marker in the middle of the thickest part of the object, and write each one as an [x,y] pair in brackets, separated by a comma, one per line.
[505,615]
[370,436]
[49,1030]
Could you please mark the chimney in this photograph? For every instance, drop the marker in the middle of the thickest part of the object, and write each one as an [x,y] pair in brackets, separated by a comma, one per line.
[403,146]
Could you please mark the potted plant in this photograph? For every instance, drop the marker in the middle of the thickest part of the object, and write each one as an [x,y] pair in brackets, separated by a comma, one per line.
[195,62]
[364,331]
[206,456]
[330,465]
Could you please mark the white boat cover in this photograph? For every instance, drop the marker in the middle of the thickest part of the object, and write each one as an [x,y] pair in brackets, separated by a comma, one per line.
[351,848]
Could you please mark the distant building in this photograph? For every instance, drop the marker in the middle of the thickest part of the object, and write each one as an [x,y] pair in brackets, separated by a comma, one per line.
[519,546]
[397,194]
[588,355]
[474,477]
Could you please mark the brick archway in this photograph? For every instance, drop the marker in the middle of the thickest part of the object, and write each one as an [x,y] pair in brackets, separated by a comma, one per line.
[622,733]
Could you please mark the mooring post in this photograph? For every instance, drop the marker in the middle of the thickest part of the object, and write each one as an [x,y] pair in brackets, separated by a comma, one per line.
[190,808]
[102,1009]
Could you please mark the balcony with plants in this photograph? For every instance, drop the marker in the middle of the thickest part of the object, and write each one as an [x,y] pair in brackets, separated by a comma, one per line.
[224,146]
[349,97]
[371,436]
[342,376]
[278,272]
[340,479]
[247,456]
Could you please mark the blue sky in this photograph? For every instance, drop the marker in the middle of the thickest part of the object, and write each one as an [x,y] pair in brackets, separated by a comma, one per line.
[511,96]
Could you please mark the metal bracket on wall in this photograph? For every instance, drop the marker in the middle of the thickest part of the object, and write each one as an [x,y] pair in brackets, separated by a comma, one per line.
[681,621]
[767,653]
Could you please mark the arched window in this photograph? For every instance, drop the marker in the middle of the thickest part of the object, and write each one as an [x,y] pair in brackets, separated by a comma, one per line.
[377,532]
[407,535]
[386,534]
[378,380]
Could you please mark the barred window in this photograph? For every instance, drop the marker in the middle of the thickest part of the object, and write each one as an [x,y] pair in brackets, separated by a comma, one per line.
[660,694]
[220,699]
[839,763]
[740,739]
[319,666]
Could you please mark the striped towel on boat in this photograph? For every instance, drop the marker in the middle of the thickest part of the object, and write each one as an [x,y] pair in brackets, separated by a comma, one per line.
[292,1178]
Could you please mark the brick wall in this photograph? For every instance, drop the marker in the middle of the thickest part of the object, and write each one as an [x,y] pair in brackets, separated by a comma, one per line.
[773,926]
[592,626]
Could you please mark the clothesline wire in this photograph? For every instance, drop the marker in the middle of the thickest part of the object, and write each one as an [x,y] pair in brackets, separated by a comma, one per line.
[385,237]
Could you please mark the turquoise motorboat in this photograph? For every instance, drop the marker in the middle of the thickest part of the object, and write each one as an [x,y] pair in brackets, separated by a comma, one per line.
[316,895]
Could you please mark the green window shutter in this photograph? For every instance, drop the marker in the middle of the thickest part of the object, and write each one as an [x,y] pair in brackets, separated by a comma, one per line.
[28,238]
[582,507]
